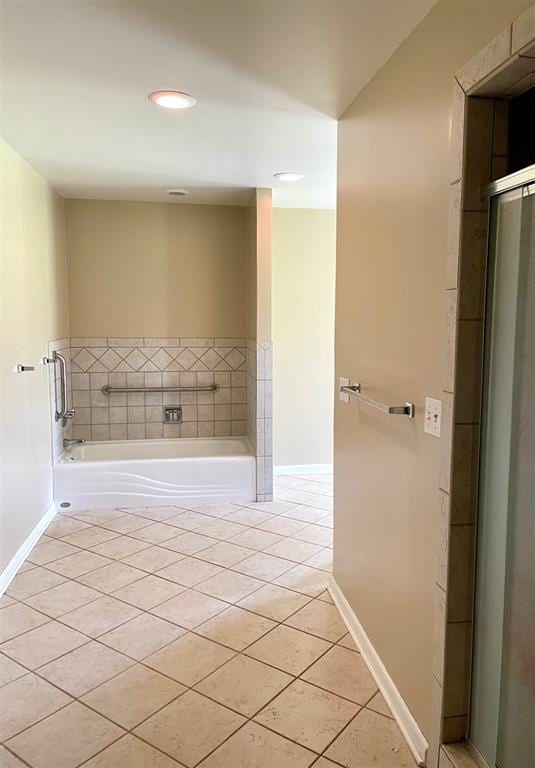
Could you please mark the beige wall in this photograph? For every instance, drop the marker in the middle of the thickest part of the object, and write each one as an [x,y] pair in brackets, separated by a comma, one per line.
[304,246]
[156,269]
[390,322]
[33,301]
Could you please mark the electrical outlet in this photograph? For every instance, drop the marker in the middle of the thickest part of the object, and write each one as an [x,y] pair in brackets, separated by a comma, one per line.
[343,396]
[433,416]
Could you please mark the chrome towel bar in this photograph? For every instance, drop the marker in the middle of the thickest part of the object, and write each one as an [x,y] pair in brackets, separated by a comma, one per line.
[407,409]
[112,390]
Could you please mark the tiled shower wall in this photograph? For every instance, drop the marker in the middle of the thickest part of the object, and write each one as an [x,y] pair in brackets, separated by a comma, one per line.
[260,414]
[162,362]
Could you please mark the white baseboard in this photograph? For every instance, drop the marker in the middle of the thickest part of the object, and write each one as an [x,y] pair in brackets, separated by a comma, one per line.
[303,469]
[407,724]
[24,550]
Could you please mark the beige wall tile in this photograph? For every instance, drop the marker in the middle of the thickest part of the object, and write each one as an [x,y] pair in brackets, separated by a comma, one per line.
[486,60]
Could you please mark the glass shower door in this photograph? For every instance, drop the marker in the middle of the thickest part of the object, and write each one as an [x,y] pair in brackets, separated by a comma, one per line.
[503,689]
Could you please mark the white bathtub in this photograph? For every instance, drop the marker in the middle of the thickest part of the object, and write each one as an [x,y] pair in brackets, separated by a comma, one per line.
[145,473]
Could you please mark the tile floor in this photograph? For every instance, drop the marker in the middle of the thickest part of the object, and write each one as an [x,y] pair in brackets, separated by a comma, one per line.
[167,637]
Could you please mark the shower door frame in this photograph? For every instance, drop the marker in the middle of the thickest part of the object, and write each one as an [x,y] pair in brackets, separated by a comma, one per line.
[478,156]
[522,183]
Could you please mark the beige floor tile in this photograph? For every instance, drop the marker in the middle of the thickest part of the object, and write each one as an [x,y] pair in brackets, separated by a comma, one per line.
[126,524]
[319,619]
[247,516]
[222,529]
[225,554]
[130,752]
[322,560]
[189,543]
[32,582]
[112,577]
[26,700]
[49,551]
[66,738]
[263,566]
[63,598]
[78,564]
[254,538]
[189,728]
[308,715]
[189,521]
[133,695]
[142,636]
[273,507]
[304,514]
[120,547]
[282,525]
[293,549]
[97,516]
[8,760]
[86,667]
[26,566]
[43,644]
[371,739]
[315,534]
[189,659]
[90,537]
[302,578]
[343,672]
[5,600]
[235,628]
[9,670]
[189,571]
[288,649]
[230,586]
[217,510]
[100,616]
[347,642]
[18,618]
[153,559]
[190,608]
[255,747]
[378,704]
[324,763]
[148,592]
[326,598]
[63,526]
[155,533]
[244,684]
[274,602]
[158,514]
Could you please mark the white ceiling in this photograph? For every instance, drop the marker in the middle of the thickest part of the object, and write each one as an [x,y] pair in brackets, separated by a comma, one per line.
[270,77]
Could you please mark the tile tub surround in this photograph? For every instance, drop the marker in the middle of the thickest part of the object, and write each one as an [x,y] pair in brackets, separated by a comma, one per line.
[239,655]
[161,362]
[260,413]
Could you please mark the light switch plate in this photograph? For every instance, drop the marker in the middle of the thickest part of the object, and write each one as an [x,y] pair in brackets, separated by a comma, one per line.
[343,396]
[433,416]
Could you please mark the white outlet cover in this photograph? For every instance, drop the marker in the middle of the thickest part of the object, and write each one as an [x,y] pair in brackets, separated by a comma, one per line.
[433,416]
[343,396]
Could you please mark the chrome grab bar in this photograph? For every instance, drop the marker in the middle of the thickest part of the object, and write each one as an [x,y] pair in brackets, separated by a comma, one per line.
[407,409]
[111,390]
[65,413]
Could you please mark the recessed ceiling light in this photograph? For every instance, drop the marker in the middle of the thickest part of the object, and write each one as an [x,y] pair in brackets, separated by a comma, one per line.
[172,99]
[177,192]
[289,176]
